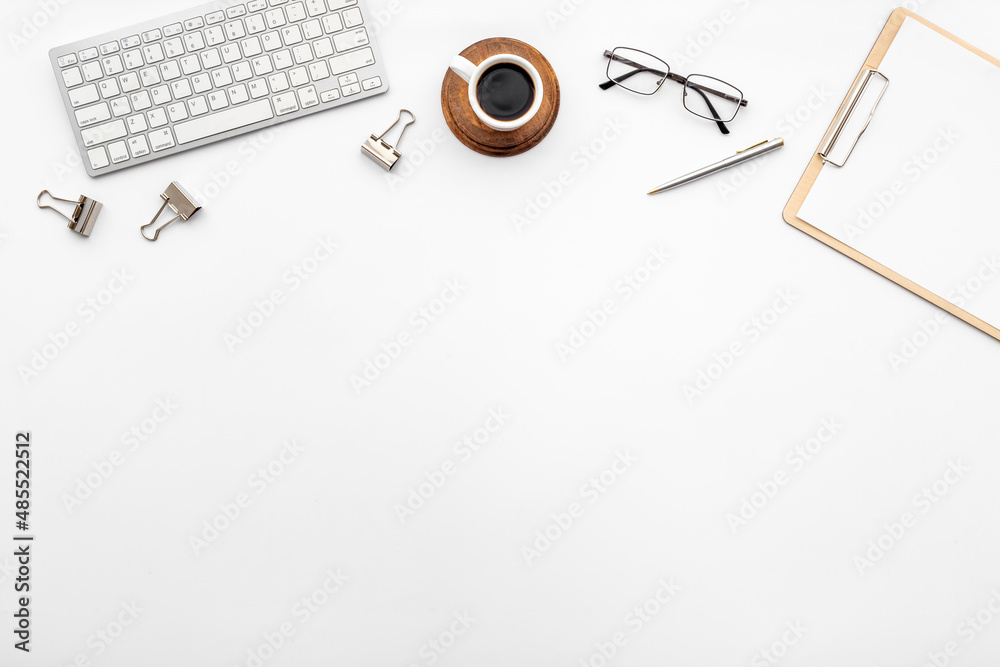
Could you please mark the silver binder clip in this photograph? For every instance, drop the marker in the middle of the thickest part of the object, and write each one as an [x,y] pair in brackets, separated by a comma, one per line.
[379,150]
[180,202]
[84,216]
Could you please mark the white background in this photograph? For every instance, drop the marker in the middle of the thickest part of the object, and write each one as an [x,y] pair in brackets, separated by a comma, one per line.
[449,216]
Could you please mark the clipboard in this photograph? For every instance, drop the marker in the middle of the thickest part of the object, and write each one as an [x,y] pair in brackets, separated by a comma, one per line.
[822,159]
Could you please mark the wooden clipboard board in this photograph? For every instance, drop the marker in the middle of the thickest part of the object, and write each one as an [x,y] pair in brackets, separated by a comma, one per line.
[816,165]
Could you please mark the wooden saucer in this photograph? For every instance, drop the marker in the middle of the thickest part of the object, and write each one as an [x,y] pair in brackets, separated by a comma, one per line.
[471,131]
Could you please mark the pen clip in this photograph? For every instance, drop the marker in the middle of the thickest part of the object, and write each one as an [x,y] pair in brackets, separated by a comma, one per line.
[761,143]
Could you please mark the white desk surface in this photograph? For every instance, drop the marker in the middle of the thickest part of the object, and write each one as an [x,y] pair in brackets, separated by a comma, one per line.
[465,579]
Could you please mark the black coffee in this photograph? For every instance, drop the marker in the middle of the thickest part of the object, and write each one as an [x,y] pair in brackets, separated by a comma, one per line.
[505,91]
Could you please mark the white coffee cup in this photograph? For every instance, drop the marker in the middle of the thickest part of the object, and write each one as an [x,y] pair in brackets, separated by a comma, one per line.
[471,74]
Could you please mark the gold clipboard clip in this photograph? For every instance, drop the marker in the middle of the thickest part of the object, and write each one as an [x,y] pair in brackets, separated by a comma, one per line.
[179,201]
[847,113]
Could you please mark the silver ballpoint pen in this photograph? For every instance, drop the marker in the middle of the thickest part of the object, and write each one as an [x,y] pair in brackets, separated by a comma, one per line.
[742,156]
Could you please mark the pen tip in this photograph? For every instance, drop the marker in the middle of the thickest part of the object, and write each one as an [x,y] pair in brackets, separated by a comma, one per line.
[652,192]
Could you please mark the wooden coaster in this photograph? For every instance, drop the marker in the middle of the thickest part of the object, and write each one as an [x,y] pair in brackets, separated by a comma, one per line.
[471,131]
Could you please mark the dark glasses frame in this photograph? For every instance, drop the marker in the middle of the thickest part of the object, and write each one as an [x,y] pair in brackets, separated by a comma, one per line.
[693,87]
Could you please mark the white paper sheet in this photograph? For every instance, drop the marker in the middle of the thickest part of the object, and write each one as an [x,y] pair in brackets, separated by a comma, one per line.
[921,193]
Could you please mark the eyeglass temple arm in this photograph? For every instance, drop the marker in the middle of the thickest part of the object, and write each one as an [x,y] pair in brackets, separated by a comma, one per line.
[715,114]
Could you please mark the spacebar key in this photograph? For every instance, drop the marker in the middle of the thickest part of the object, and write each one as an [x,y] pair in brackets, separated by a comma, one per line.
[223,121]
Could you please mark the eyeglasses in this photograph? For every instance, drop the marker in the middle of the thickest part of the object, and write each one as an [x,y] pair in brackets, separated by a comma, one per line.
[704,96]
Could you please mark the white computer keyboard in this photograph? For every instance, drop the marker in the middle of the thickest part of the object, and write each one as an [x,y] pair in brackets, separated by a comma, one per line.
[213,72]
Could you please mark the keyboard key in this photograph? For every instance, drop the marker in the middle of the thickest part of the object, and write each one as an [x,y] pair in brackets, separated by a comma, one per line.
[242,72]
[67,60]
[298,76]
[218,100]
[255,24]
[174,48]
[278,82]
[161,140]
[85,95]
[292,35]
[160,95]
[262,65]
[346,41]
[352,18]
[190,65]
[133,59]
[211,59]
[88,116]
[312,29]
[113,65]
[170,70]
[372,83]
[231,119]
[118,152]
[347,79]
[152,36]
[153,53]
[181,89]
[177,112]
[72,77]
[140,100]
[295,12]
[215,35]
[307,97]
[194,41]
[131,42]
[282,59]
[258,89]
[275,18]
[109,88]
[92,71]
[222,77]
[88,54]
[251,47]
[332,24]
[302,54]
[323,47]
[285,104]
[130,82]
[330,96]
[214,17]
[230,53]
[334,5]
[136,123]
[353,89]
[316,7]
[236,11]
[238,94]
[194,24]
[103,133]
[319,71]
[149,76]
[271,41]
[173,30]
[157,118]
[138,146]
[197,106]
[234,30]
[98,157]
[202,83]
[257,5]
[351,61]
[120,107]
[109,48]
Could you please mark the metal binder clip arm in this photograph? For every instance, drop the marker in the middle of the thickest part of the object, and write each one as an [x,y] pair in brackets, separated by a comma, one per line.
[846,114]
[179,201]
[382,152]
[84,216]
